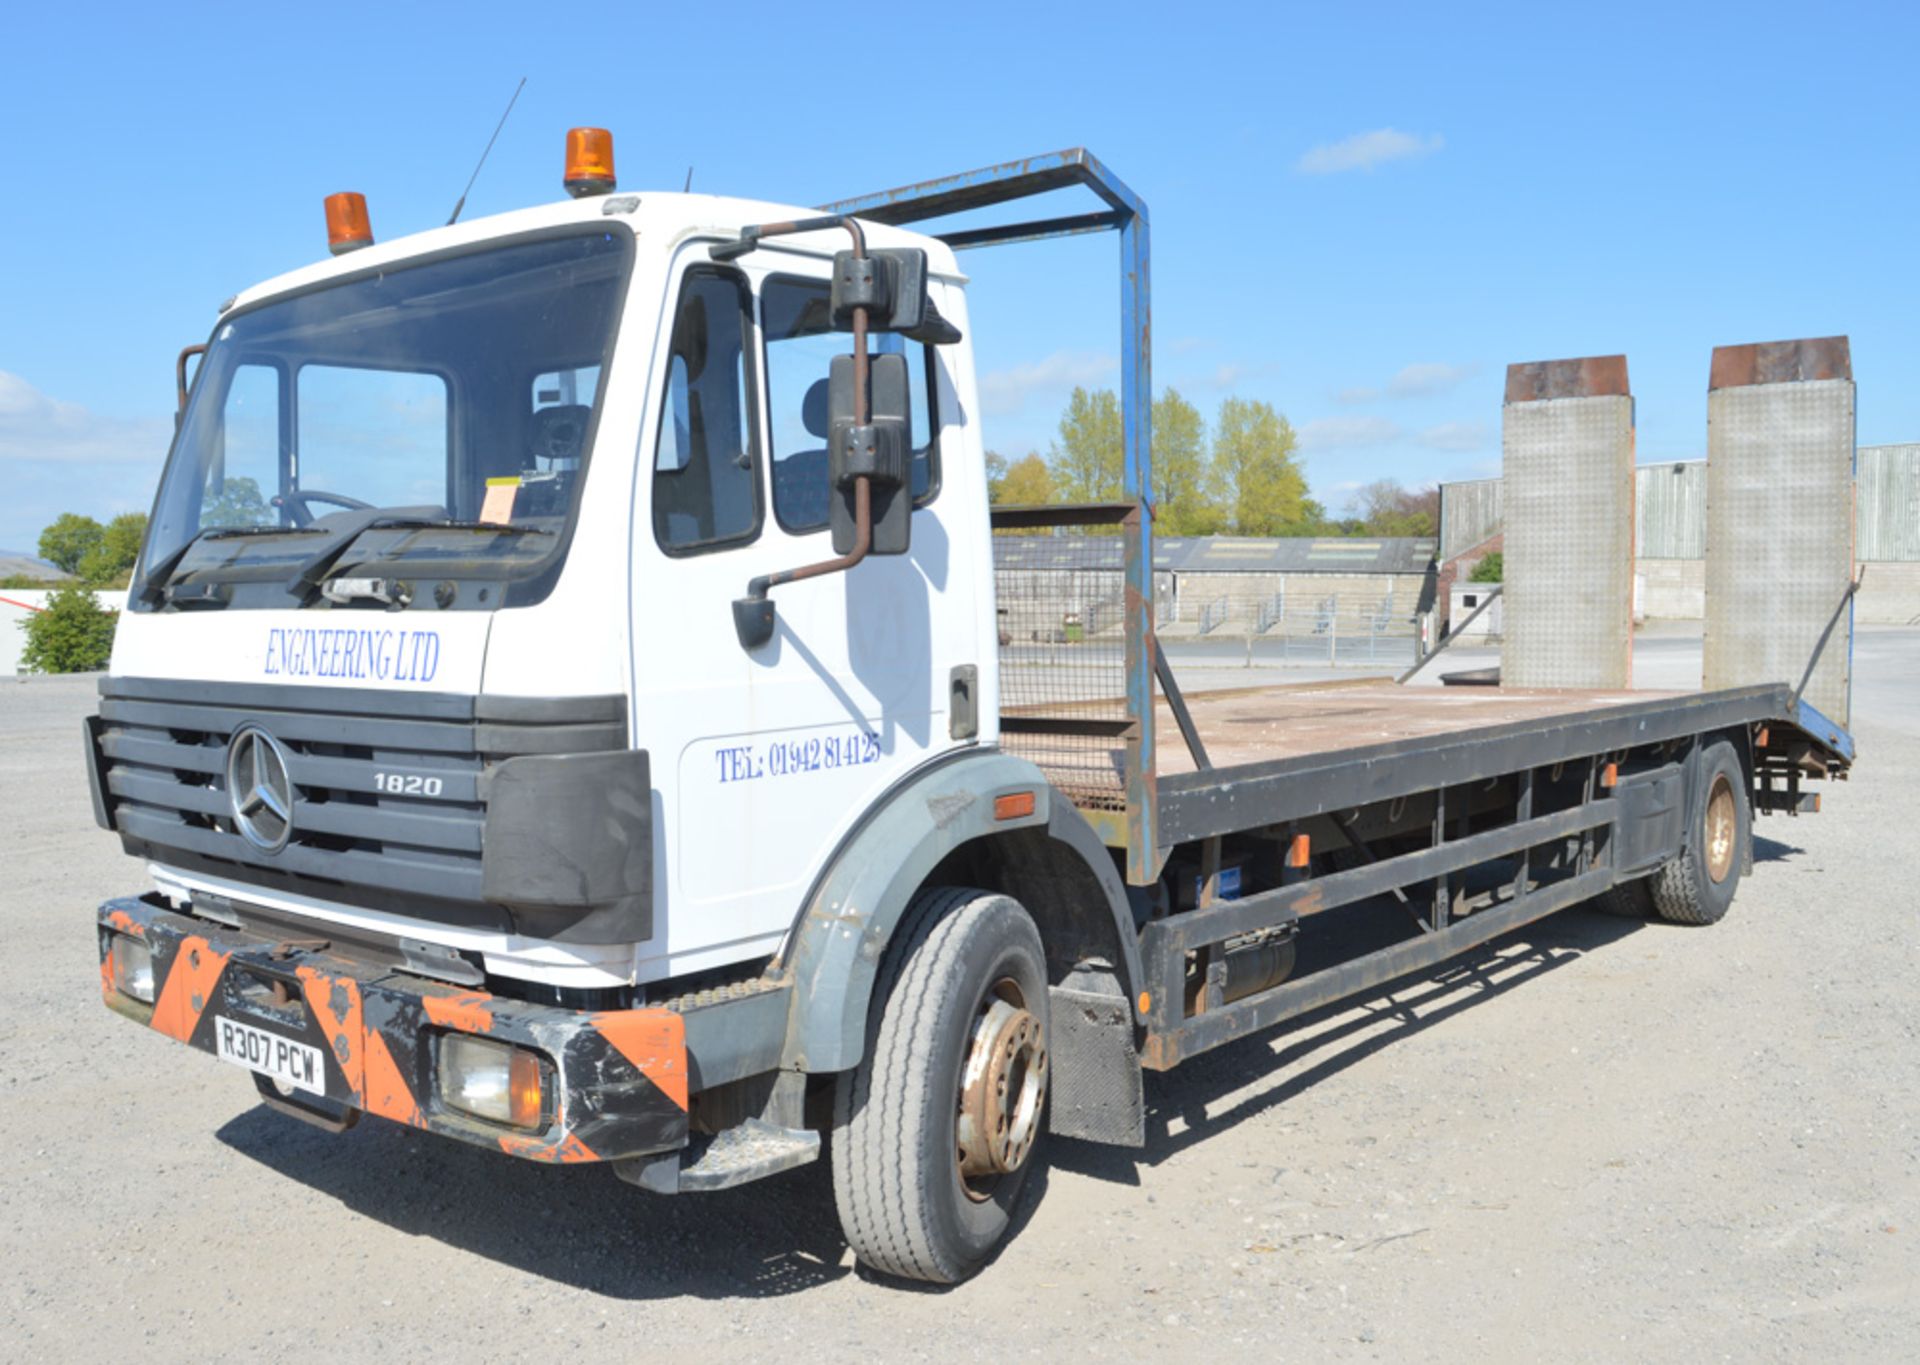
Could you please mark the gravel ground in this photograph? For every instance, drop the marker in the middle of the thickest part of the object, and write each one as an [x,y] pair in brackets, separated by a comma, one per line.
[1595,1140]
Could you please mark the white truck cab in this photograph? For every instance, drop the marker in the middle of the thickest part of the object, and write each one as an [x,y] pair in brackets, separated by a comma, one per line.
[541,455]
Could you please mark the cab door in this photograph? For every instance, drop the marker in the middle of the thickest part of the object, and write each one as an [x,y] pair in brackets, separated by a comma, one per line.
[762,759]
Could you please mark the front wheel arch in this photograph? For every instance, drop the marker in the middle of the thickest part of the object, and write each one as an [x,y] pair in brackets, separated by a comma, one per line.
[834,950]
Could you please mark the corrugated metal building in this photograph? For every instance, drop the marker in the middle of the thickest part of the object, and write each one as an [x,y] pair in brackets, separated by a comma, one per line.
[1887,503]
[1670,532]
[1469,514]
[1353,589]
[1670,510]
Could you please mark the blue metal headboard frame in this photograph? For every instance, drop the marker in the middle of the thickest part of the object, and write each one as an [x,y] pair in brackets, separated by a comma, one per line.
[1126,213]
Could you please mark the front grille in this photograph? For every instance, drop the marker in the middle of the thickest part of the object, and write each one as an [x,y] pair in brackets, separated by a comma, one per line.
[389,788]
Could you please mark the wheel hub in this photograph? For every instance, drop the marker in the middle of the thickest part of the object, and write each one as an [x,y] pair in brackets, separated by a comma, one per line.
[1003,1089]
[1721,826]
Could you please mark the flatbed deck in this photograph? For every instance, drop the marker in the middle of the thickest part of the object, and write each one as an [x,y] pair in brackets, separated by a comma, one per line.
[1284,752]
[1254,725]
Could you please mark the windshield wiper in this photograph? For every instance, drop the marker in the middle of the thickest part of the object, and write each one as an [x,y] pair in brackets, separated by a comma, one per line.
[304,584]
[153,588]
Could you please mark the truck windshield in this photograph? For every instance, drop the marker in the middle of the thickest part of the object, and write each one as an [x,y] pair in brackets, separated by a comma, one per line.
[434,417]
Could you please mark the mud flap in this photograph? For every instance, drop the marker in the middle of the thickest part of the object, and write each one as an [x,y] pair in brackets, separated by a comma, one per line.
[1098,1094]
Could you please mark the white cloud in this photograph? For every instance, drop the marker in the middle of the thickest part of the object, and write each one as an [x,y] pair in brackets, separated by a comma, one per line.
[1007,391]
[1348,433]
[1423,379]
[41,429]
[1364,151]
[1457,436]
[1426,379]
[57,456]
[1186,345]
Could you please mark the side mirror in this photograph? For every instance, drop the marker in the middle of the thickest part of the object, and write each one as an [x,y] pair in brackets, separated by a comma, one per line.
[892,285]
[878,452]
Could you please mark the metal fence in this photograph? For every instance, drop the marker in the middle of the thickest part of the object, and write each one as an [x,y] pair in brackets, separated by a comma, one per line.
[1063,663]
[1309,628]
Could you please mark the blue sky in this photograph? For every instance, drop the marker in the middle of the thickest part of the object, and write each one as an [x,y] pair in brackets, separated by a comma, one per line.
[1361,214]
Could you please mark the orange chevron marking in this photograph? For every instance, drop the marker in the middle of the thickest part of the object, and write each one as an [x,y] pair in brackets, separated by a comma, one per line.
[655,1041]
[387,1093]
[335,1002]
[196,970]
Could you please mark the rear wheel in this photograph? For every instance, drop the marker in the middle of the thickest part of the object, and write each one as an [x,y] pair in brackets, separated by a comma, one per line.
[1629,900]
[1697,887]
[938,1128]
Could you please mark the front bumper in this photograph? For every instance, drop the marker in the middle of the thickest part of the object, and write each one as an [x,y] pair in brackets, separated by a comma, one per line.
[619,1077]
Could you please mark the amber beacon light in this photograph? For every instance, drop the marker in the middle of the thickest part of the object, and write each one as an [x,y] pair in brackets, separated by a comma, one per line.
[347,225]
[589,162]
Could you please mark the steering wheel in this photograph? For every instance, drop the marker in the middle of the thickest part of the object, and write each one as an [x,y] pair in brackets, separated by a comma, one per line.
[295,501]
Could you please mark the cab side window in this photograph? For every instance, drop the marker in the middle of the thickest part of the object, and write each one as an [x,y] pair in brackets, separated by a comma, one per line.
[706,489]
[801,344]
[245,476]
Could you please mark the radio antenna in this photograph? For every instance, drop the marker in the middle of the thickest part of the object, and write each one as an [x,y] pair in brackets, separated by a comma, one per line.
[455,216]
[687,188]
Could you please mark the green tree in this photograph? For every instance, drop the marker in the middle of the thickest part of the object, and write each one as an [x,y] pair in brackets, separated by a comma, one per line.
[73,633]
[1257,471]
[1388,509]
[1489,569]
[1182,484]
[110,563]
[238,503]
[1028,483]
[1089,458]
[996,475]
[65,543]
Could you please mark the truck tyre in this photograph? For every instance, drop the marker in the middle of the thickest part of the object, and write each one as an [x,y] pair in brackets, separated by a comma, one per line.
[936,1131]
[1698,886]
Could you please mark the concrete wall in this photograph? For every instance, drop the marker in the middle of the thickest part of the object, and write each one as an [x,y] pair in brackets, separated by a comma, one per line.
[1670,589]
[1889,595]
[1675,590]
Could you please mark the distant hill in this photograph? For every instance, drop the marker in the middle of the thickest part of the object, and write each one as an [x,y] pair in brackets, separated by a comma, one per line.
[19,562]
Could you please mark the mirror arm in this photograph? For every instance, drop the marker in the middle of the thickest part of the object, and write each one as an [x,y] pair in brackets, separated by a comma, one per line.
[180,380]
[753,614]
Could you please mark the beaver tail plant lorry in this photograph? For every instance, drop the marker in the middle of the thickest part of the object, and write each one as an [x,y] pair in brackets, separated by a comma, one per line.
[567,703]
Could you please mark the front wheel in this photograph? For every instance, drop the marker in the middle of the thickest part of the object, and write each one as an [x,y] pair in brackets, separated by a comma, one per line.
[937,1130]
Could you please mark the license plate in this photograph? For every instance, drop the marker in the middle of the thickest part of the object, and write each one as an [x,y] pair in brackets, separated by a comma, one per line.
[277,1058]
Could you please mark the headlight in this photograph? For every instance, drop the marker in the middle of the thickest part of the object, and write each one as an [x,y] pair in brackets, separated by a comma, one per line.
[130,962]
[493,1081]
